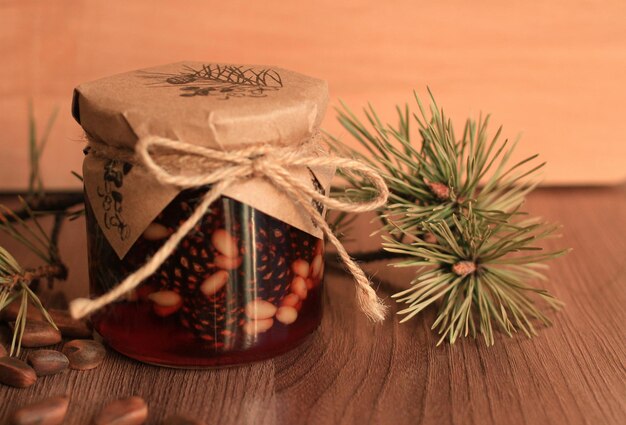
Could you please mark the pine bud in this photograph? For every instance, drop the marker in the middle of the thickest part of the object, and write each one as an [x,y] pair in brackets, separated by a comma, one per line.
[463,268]
[440,190]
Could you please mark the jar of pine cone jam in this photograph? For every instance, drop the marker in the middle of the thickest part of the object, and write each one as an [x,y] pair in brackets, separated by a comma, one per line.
[242,286]
[246,283]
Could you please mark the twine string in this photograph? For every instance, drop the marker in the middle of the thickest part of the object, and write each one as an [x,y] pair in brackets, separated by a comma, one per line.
[221,169]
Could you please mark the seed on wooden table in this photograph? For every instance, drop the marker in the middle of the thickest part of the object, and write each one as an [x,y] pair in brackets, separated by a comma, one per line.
[254,327]
[300,267]
[214,283]
[48,362]
[84,354]
[155,232]
[224,243]
[290,300]
[227,263]
[16,373]
[9,313]
[50,411]
[298,287]
[39,334]
[129,411]
[181,420]
[260,309]
[286,315]
[70,327]
[166,303]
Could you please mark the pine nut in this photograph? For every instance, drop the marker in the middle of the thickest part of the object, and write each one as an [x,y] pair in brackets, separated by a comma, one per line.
[214,283]
[316,266]
[298,287]
[39,334]
[50,411]
[165,298]
[255,327]
[155,232]
[48,362]
[290,300]
[300,267]
[70,327]
[310,284]
[319,247]
[286,315]
[227,263]
[130,411]
[224,243]
[84,354]
[16,373]
[260,309]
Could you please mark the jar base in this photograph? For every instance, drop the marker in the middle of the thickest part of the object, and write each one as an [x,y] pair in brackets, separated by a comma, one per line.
[218,365]
[272,343]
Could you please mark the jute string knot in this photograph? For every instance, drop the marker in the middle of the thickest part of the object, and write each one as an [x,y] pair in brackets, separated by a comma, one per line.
[186,166]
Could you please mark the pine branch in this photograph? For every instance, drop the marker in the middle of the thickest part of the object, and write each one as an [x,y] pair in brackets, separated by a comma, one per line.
[454,215]
[29,276]
[16,282]
[376,255]
[50,203]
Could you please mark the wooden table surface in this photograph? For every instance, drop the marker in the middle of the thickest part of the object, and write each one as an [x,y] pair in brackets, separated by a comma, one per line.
[353,372]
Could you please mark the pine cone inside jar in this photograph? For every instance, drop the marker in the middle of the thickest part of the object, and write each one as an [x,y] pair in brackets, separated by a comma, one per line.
[203,271]
[218,312]
[226,281]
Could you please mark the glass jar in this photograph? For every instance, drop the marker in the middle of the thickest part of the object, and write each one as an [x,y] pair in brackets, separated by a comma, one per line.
[246,283]
[242,286]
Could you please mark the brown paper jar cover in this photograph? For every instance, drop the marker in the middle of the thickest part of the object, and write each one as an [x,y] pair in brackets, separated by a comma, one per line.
[246,282]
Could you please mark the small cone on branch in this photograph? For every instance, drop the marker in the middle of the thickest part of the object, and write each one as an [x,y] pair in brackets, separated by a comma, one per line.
[440,190]
[463,268]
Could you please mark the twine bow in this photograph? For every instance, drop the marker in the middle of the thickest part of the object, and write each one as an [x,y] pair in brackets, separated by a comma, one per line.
[221,169]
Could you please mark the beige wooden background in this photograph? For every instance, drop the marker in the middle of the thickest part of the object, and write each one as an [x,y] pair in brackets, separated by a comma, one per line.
[552,70]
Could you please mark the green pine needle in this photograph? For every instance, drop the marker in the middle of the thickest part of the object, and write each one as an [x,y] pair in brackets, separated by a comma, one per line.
[454,212]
